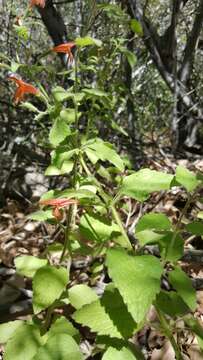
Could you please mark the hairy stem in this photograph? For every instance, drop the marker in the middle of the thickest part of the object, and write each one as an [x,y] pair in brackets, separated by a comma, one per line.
[109,203]
[167,331]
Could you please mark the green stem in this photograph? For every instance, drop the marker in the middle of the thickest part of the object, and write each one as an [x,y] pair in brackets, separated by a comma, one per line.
[167,331]
[109,203]
[47,320]
[73,208]
[120,224]
[67,234]
[178,225]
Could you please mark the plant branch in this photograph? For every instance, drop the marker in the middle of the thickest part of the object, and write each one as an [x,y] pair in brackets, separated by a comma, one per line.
[191,44]
[167,331]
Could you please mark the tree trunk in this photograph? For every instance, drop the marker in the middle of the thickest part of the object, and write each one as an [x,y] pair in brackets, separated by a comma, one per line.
[187,115]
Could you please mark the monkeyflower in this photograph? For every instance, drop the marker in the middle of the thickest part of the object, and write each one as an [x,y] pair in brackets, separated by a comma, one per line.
[22,89]
[40,3]
[57,205]
[66,49]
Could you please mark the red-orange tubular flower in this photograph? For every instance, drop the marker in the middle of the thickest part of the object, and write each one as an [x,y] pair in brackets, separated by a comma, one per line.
[57,205]
[40,3]
[22,89]
[66,49]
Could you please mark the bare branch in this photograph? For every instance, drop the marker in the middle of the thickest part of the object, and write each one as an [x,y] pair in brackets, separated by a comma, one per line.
[189,52]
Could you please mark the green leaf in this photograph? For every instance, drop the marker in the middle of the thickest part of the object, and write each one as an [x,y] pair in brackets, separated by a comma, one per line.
[48,285]
[196,228]
[80,295]
[186,178]
[97,228]
[142,183]
[27,265]
[200,215]
[95,93]
[169,253]
[68,115]
[41,215]
[149,237]
[136,27]
[101,316]
[8,329]
[153,221]
[59,347]
[146,226]
[59,131]
[58,156]
[194,325]
[132,60]
[24,343]
[61,95]
[171,304]
[137,279]
[30,107]
[22,31]
[113,11]
[52,170]
[87,41]
[115,354]
[63,326]
[66,168]
[105,152]
[183,285]
[163,239]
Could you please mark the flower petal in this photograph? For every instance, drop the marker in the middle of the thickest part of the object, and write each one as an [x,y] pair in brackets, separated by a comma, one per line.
[60,203]
[40,3]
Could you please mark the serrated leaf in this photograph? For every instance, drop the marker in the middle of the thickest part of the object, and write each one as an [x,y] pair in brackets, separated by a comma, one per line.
[143,182]
[59,131]
[149,237]
[87,41]
[24,343]
[196,228]
[97,228]
[171,303]
[41,215]
[60,95]
[183,285]
[8,329]
[58,156]
[122,354]
[63,326]
[169,253]
[68,115]
[137,279]
[186,178]
[59,347]
[27,265]
[66,168]
[163,239]
[105,152]
[153,221]
[101,316]
[48,284]
[52,170]
[80,295]
[136,27]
